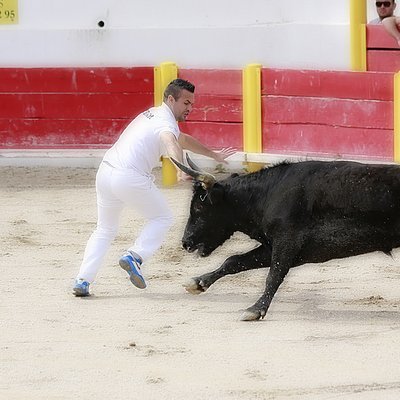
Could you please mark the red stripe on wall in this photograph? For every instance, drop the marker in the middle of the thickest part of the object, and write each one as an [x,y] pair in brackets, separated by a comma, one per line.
[336,84]
[383,60]
[74,105]
[216,135]
[378,38]
[214,81]
[59,80]
[217,109]
[327,111]
[49,133]
[328,140]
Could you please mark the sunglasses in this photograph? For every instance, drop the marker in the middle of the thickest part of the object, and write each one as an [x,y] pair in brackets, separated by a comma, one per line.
[383,3]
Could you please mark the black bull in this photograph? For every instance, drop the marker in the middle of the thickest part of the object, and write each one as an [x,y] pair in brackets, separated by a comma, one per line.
[305,212]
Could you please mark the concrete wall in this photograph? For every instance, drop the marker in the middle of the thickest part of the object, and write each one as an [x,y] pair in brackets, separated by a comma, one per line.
[194,34]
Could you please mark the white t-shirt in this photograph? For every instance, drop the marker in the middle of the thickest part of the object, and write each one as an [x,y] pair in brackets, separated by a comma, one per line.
[139,146]
[376,21]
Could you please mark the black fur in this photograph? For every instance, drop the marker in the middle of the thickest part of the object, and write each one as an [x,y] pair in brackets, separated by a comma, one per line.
[306,212]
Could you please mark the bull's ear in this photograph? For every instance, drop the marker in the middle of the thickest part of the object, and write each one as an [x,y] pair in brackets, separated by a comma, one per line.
[216,194]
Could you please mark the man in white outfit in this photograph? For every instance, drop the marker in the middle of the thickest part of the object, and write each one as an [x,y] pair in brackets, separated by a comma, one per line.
[125,179]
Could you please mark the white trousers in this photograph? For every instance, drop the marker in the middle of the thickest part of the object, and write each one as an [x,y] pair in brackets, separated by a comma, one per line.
[117,189]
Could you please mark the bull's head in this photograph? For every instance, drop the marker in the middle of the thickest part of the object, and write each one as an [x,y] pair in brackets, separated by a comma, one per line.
[208,225]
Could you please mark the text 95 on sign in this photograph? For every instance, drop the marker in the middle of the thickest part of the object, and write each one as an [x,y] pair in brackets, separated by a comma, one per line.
[8,12]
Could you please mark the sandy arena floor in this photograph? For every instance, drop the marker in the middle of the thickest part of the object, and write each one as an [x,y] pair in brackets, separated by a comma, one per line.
[332,332]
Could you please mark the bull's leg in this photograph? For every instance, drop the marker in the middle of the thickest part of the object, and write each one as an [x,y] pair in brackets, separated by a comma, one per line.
[259,257]
[280,264]
[259,309]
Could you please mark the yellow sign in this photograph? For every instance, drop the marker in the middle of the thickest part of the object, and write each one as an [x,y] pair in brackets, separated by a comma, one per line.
[8,12]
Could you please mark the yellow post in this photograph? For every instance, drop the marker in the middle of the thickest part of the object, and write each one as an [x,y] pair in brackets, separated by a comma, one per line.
[157,87]
[163,75]
[358,35]
[396,113]
[252,131]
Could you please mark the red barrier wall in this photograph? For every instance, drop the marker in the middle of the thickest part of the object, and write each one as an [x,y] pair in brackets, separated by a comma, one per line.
[328,113]
[70,107]
[217,116]
[316,113]
[383,52]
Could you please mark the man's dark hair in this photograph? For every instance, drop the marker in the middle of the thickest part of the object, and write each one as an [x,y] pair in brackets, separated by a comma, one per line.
[175,88]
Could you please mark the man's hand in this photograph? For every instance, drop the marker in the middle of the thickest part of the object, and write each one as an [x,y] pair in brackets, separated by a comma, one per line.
[224,153]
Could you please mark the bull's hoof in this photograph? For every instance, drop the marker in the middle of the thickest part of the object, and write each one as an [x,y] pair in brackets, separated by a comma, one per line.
[252,314]
[195,286]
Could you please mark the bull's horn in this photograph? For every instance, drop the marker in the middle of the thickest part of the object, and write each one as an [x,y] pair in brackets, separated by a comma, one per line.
[207,180]
[192,164]
[191,172]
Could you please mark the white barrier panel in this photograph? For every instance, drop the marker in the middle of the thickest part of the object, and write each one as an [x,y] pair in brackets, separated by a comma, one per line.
[223,33]
[206,48]
[161,14]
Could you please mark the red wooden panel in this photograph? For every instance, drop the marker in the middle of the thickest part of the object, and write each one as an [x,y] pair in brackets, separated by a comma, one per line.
[47,133]
[383,60]
[215,135]
[74,105]
[328,140]
[214,81]
[378,38]
[217,109]
[328,111]
[339,84]
[218,94]
[54,80]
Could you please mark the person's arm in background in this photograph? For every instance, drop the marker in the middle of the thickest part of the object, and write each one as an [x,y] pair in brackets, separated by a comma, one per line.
[392,26]
[188,142]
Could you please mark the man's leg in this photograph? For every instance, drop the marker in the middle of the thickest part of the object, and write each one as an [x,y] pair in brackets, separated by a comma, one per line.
[108,212]
[147,199]
[155,209]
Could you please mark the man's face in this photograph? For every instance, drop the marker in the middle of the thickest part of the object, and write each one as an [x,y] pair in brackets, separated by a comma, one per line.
[182,107]
[385,8]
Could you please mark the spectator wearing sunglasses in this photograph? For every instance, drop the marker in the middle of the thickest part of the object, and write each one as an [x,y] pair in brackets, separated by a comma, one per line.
[386,17]
[384,10]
